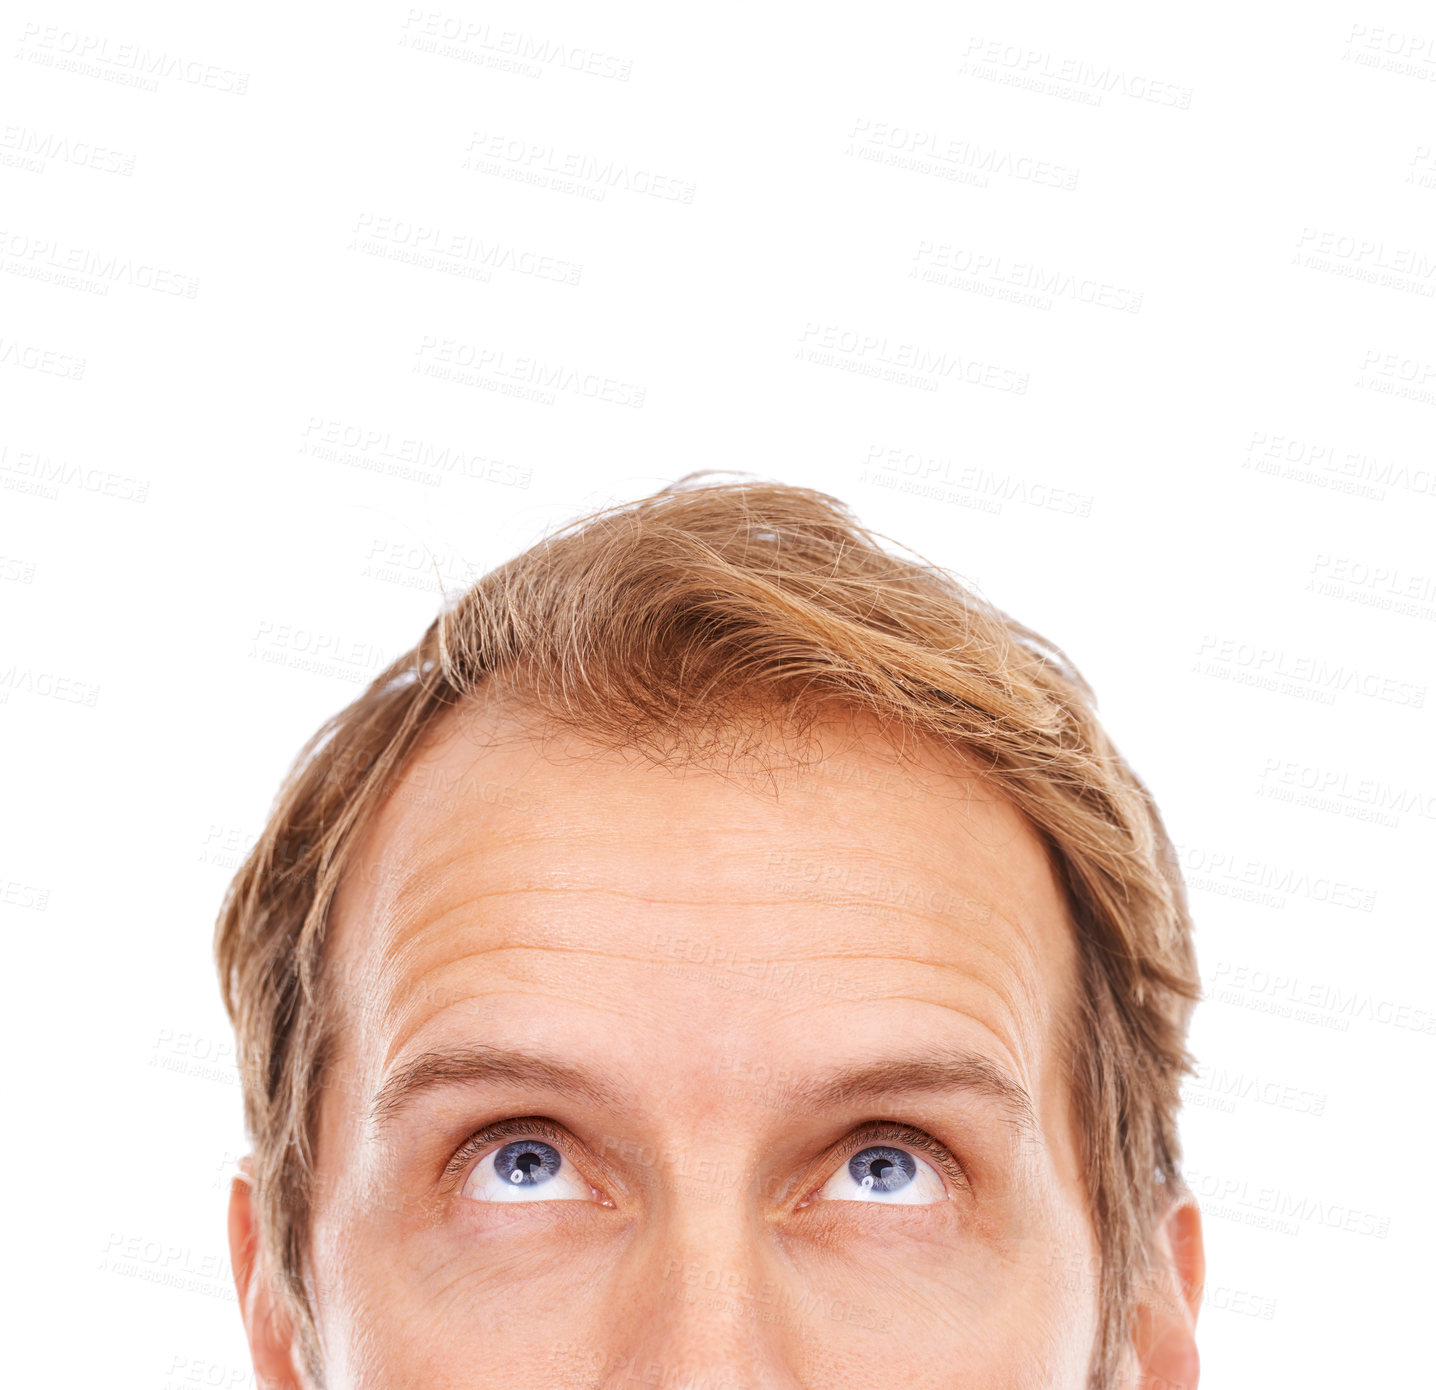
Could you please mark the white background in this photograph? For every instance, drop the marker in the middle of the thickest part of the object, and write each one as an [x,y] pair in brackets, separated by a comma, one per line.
[1196,455]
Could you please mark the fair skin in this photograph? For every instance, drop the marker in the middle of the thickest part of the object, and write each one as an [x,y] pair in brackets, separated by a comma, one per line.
[672,981]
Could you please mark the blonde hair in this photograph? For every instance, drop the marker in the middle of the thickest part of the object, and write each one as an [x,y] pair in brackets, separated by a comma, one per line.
[652,624]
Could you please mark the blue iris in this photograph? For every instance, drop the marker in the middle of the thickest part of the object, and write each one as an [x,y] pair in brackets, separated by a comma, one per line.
[880,1169]
[527,1163]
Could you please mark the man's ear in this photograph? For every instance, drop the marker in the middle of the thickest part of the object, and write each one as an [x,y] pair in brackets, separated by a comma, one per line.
[1164,1322]
[272,1345]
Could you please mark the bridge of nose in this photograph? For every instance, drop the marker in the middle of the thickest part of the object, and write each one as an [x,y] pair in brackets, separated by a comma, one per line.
[702,1288]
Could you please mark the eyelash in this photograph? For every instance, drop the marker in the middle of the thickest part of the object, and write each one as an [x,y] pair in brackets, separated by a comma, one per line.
[865,1136]
[500,1129]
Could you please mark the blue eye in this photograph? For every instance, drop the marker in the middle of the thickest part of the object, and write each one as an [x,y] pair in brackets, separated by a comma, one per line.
[526,1170]
[885,1173]
[529,1162]
[882,1170]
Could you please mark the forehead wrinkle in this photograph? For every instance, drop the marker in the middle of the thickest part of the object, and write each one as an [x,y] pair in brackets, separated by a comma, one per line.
[915,868]
[433,933]
[400,940]
[401,948]
[973,1013]
[407,991]
[399,905]
[426,878]
[1031,1067]
[1014,975]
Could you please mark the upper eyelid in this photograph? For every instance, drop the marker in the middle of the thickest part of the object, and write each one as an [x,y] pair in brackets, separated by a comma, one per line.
[898,1132]
[457,1169]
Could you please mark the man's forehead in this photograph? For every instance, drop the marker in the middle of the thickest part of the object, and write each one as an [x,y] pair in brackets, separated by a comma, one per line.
[491,806]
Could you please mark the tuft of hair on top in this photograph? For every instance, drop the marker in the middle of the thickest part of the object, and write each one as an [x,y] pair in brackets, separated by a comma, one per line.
[711,621]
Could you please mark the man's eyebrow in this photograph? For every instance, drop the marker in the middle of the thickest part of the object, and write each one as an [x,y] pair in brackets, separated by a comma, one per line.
[926,1072]
[442,1068]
